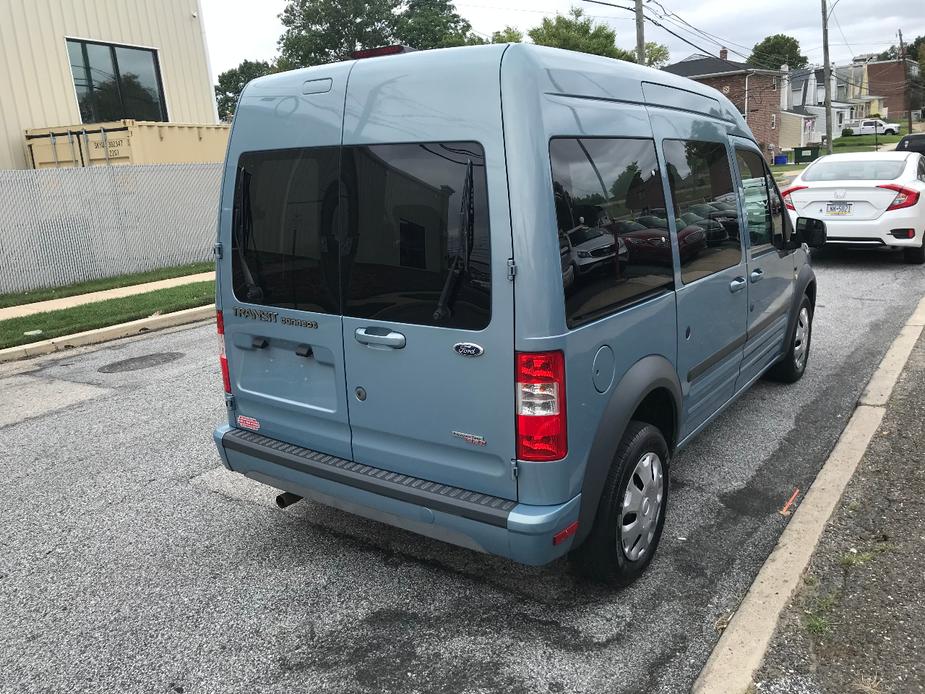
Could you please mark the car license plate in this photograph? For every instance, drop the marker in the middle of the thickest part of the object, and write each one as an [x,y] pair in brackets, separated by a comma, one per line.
[838,209]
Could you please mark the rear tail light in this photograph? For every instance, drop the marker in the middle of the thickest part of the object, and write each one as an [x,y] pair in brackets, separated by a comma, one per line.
[222,359]
[540,408]
[788,203]
[905,197]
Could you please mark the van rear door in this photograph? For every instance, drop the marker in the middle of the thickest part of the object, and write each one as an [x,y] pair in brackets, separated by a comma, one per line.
[278,279]
[428,307]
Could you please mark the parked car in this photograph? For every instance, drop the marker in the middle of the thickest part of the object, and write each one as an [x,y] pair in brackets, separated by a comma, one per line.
[364,369]
[654,245]
[912,143]
[714,230]
[870,200]
[591,247]
[871,126]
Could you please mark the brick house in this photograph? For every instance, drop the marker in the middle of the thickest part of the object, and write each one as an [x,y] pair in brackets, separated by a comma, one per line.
[888,78]
[754,92]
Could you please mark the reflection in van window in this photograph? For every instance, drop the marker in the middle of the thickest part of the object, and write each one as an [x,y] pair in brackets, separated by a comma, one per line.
[704,202]
[405,240]
[613,236]
[284,252]
[416,247]
[763,208]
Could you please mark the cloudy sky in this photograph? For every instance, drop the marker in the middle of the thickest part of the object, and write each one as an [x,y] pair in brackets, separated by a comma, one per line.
[239,29]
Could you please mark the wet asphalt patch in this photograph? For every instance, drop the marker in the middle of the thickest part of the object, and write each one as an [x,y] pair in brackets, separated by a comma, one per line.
[145,361]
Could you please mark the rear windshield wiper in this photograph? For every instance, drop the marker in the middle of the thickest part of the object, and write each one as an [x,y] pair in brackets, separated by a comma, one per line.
[243,228]
[459,264]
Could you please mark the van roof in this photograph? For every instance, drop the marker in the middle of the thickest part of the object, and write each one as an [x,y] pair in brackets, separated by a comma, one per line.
[553,70]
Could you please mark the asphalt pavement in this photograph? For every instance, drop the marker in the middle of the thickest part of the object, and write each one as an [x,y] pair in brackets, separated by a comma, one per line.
[130,561]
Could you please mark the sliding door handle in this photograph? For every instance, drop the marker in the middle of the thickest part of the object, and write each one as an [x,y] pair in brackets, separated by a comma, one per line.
[737,285]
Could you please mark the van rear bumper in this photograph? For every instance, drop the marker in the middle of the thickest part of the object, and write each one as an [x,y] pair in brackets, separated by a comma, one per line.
[477,521]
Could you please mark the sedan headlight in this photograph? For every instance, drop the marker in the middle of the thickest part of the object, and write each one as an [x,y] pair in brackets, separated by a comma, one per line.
[584,254]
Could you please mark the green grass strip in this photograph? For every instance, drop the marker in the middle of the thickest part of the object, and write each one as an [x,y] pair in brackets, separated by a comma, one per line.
[31,297]
[104,313]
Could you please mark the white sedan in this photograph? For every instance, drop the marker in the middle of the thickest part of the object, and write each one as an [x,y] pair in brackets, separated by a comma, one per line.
[871,199]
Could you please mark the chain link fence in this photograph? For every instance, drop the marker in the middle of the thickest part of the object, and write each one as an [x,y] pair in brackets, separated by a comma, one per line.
[61,226]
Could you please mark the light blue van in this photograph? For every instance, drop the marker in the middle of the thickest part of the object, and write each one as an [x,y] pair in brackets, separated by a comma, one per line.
[486,293]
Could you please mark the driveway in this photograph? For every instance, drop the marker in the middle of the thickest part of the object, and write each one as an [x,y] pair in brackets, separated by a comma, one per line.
[132,562]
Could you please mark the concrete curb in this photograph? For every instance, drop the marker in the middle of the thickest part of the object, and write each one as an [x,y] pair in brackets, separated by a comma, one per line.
[741,649]
[112,332]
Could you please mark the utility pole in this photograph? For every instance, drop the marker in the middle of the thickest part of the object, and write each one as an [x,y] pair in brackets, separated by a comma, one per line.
[902,56]
[827,76]
[640,35]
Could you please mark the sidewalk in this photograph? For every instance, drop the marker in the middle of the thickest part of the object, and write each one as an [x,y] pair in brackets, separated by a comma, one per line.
[857,623]
[119,292]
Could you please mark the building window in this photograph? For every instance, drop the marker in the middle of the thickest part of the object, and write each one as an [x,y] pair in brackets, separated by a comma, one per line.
[773,121]
[116,82]
[774,84]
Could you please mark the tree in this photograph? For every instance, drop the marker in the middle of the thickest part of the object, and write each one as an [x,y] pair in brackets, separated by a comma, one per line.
[231,83]
[325,31]
[916,49]
[507,35]
[891,53]
[775,51]
[578,33]
[426,24]
[656,54]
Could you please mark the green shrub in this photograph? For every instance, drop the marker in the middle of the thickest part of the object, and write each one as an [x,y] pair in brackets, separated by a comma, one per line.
[847,132]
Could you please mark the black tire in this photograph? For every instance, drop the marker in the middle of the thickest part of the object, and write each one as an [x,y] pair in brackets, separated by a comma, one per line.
[889,132]
[790,368]
[915,256]
[602,556]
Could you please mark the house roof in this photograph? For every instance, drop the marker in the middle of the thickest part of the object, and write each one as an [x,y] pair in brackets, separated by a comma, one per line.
[800,111]
[699,65]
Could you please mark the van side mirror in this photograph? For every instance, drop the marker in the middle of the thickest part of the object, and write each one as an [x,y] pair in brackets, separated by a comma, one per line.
[811,232]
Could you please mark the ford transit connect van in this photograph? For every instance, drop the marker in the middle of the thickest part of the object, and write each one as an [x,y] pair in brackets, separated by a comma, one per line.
[486,293]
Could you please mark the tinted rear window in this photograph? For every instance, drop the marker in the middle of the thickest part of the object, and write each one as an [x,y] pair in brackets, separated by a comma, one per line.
[386,232]
[284,250]
[860,170]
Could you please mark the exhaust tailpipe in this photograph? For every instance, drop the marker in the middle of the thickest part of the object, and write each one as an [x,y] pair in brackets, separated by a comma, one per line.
[287,499]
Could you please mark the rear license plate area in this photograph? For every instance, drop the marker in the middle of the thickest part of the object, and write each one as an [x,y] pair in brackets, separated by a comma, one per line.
[838,209]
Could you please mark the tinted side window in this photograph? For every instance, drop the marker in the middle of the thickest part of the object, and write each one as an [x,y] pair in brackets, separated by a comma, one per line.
[416,243]
[284,251]
[757,206]
[613,230]
[705,209]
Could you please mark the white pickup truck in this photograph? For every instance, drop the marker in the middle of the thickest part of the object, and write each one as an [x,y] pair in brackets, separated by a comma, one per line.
[871,126]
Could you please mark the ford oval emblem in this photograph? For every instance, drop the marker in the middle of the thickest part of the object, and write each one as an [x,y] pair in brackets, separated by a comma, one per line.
[468,349]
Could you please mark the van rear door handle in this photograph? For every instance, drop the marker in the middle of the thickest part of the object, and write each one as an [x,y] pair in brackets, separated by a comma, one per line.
[379,337]
[737,285]
[756,275]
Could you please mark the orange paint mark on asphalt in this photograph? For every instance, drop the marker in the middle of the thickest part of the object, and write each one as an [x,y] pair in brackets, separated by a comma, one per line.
[785,511]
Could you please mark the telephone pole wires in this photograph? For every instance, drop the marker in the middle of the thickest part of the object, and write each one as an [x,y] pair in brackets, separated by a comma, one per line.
[902,56]
[640,34]
[827,76]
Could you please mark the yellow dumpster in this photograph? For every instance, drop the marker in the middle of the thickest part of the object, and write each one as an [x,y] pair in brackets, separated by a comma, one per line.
[125,142]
